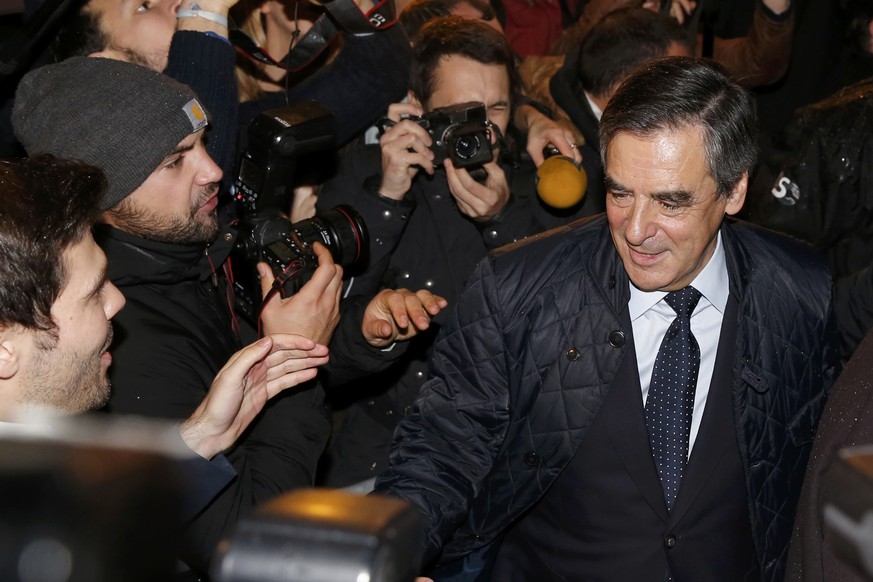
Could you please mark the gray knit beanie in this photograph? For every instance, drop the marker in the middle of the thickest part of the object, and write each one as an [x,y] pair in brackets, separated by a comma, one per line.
[118,116]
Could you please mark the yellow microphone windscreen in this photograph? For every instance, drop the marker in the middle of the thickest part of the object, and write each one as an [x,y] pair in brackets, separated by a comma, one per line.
[561,182]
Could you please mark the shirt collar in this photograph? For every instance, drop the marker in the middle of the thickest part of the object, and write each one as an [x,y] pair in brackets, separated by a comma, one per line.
[598,113]
[712,282]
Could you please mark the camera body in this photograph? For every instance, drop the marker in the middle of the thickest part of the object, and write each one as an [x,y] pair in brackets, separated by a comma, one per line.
[460,133]
[290,256]
[263,190]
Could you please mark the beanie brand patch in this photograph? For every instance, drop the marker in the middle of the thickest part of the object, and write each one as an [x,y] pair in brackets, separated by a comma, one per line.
[195,114]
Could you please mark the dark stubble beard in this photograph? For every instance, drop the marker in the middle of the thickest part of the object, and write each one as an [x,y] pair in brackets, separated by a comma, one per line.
[67,382]
[192,228]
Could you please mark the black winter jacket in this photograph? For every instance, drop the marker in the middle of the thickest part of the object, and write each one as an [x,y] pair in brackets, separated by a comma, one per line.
[172,337]
[816,185]
[522,366]
[420,242]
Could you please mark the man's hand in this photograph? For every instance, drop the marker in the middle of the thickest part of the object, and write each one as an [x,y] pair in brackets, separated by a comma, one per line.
[680,9]
[397,315]
[542,131]
[405,151]
[480,202]
[243,386]
[303,203]
[313,311]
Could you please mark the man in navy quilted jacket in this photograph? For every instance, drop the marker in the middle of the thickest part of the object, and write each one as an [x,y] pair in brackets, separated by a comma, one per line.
[632,397]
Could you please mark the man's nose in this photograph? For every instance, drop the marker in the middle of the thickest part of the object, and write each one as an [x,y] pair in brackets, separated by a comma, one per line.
[113,300]
[641,222]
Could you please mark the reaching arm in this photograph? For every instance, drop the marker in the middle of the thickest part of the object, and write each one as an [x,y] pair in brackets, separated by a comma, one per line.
[428,467]
[761,57]
[242,388]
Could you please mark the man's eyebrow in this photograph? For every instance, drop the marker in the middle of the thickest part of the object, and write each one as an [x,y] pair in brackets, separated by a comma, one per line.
[613,186]
[678,197]
[179,149]
[99,281]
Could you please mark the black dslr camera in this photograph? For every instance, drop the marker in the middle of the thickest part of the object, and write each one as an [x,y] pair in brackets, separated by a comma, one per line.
[262,191]
[461,133]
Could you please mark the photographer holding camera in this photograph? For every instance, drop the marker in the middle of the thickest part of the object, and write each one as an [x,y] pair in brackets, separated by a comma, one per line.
[431,221]
[167,254]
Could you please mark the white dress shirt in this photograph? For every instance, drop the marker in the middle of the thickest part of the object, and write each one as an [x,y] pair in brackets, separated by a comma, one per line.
[650,317]
[598,113]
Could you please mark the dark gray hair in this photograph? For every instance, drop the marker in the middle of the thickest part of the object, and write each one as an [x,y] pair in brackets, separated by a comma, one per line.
[677,92]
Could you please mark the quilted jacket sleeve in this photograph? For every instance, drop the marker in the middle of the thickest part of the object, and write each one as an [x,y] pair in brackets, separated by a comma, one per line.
[444,450]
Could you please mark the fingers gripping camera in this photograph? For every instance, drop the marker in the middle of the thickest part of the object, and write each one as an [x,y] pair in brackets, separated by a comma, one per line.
[460,133]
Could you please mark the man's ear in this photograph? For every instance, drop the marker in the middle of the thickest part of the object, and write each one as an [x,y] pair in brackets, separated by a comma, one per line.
[10,353]
[738,195]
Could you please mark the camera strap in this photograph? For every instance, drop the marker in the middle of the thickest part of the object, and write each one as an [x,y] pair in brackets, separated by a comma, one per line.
[341,14]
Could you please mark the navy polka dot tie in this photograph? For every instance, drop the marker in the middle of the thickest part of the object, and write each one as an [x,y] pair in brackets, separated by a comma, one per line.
[670,402]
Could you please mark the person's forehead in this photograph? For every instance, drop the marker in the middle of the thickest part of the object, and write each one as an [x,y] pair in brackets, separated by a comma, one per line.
[85,267]
[668,155]
[189,141]
[665,140]
[450,66]
[103,8]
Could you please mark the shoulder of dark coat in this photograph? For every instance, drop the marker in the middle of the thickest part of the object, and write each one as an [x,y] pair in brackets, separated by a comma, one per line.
[760,252]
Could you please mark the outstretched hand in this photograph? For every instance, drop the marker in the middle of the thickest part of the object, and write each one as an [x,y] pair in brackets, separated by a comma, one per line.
[243,386]
[398,315]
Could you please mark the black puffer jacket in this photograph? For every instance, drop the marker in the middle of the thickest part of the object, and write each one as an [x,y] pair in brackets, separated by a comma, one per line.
[522,366]
[172,337]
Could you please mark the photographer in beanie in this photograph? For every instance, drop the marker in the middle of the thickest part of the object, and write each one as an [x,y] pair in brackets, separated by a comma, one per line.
[167,253]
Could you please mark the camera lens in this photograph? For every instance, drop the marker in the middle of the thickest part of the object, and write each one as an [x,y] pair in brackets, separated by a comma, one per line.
[340,229]
[467,146]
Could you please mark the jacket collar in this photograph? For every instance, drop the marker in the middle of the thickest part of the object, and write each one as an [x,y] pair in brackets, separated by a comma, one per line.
[135,260]
[606,268]
[741,265]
